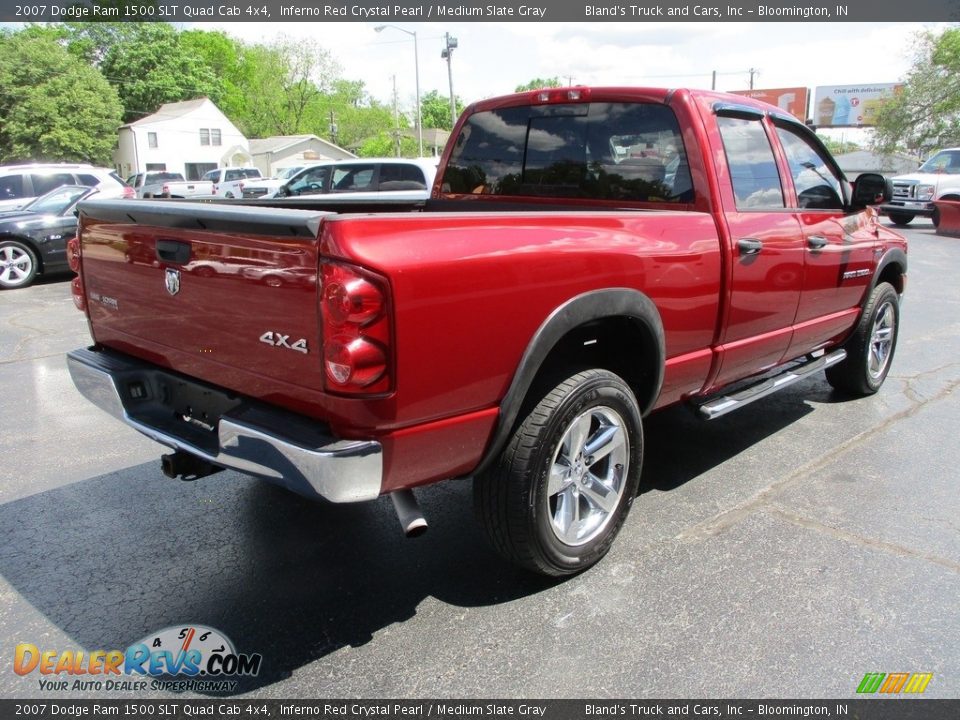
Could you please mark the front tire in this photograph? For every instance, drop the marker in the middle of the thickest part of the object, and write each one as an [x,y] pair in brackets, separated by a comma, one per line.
[900,219]
[18,264]
[562,487]
[936,217]
[871,347]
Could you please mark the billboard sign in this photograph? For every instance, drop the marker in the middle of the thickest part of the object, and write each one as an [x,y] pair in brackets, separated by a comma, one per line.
[793,100]
[850,105]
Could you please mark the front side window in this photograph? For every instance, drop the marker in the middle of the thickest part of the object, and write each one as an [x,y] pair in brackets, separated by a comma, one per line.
[603,151]
[818,188]
[312,180]
[42,184]
[753,169]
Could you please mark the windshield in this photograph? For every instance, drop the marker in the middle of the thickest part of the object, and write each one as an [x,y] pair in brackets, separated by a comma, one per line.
[947,162]
[57,201]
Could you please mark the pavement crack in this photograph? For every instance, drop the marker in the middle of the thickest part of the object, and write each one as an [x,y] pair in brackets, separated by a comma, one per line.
[761,499]
[860,540]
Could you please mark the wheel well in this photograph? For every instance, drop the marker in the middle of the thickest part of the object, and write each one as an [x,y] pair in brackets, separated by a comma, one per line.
[951,196]
[892,274]
[623,345]
[30,244]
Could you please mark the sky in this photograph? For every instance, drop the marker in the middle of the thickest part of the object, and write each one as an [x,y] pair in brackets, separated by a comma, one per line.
[493,58]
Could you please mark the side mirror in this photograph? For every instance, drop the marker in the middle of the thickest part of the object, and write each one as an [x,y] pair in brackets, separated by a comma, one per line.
[871,189]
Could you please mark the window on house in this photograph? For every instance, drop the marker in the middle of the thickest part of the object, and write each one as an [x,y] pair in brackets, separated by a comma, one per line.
[204,136]
[152,139]
[215,136]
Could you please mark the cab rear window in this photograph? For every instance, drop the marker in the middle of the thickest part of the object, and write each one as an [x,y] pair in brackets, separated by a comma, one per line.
[604,151]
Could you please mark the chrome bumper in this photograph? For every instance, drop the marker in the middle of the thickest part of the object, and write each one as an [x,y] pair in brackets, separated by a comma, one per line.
[278,446]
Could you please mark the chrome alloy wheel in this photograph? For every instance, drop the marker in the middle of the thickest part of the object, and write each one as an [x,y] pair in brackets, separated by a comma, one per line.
[881,340]
[16,266]
[587,475]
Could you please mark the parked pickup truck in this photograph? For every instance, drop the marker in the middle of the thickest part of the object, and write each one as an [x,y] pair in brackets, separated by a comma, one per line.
[588,256]
[913,194]
[160,183]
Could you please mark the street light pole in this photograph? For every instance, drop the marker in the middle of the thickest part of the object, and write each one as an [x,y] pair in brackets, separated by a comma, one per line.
[416,67]
[447,54]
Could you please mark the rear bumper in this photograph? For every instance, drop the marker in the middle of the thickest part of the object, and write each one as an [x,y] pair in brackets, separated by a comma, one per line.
[281,447]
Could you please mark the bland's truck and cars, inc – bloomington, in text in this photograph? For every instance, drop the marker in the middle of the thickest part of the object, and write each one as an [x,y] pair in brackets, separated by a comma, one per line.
[587,257]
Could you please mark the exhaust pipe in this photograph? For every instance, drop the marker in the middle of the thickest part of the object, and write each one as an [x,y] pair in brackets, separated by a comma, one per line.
[408,513]
[185,466]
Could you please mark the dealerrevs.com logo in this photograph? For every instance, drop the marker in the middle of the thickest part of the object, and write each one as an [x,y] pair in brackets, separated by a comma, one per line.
[178,658]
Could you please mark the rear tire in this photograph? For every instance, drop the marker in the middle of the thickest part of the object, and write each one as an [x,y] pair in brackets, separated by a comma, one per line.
[900,219]
[936,217]
[871,347]
[562,487]
[18,264]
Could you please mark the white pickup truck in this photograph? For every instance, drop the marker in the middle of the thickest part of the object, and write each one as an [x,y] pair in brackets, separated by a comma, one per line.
[161,183]
[228,182]
[913,194]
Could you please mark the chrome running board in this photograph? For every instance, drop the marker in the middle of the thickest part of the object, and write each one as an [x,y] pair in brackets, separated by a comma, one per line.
[724,404]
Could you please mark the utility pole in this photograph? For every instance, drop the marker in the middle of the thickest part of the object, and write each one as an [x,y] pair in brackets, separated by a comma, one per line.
[447,54]
[396,118]
[753,72]
[713,81]
[333,128]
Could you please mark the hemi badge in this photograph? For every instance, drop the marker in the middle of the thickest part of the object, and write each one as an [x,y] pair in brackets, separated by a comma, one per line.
[172,281]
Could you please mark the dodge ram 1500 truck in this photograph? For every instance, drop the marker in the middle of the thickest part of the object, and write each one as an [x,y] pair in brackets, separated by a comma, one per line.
[587,256]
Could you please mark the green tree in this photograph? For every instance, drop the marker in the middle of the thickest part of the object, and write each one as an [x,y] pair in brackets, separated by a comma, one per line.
[287,80]
[152,66]
[226,58]
[839,147]
[538,83]
[54,106]
[435,110]
[926,114]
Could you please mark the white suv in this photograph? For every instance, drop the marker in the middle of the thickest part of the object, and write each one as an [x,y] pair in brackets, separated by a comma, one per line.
[21,184]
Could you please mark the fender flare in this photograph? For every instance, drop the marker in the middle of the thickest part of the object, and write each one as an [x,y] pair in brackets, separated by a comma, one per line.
[590,306]
[893,255]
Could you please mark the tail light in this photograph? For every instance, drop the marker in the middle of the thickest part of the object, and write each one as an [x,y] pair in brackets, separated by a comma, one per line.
[74,252]
[355,317]
[215,188]
[165,189]
[241,187]
[129,193]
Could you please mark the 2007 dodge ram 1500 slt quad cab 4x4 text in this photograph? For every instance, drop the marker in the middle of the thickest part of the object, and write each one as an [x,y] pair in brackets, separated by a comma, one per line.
[587,256]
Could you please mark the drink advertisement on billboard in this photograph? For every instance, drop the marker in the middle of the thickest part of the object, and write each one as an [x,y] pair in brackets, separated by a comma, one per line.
[794,100]
[850,105]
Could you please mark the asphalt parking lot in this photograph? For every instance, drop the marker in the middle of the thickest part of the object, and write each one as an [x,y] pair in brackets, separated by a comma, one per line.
[782,551]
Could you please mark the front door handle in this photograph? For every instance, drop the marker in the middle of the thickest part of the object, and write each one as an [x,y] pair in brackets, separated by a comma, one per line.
[749,246]
[816,242]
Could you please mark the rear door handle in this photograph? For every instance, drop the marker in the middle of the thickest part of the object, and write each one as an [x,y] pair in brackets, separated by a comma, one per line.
[749,246]
[816,242]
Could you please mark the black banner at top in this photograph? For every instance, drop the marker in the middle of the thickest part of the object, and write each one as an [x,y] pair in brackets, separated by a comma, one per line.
[466,11]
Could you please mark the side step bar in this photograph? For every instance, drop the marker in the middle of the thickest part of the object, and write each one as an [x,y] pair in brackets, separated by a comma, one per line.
[728,403]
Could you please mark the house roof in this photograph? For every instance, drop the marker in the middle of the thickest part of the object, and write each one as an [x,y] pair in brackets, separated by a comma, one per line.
[169,111]
[278,143]
[861,160]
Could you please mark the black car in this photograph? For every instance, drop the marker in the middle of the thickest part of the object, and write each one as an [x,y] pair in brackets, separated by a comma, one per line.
[34,238]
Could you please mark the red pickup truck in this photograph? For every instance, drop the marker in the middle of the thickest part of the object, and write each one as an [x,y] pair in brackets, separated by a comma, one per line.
[587,256]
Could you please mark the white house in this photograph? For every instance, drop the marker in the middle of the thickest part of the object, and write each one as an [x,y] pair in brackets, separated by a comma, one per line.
[189,137]
[272,154]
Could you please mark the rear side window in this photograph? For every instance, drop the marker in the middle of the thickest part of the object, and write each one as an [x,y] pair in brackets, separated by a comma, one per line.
[11,187]
[42,184]
[604,151]
[251,173]
[398,176]
[753,169]
[357,178]
[88,180]
[233,175]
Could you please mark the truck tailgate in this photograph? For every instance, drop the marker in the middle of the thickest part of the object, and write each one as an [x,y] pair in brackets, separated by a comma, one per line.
[219,288]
